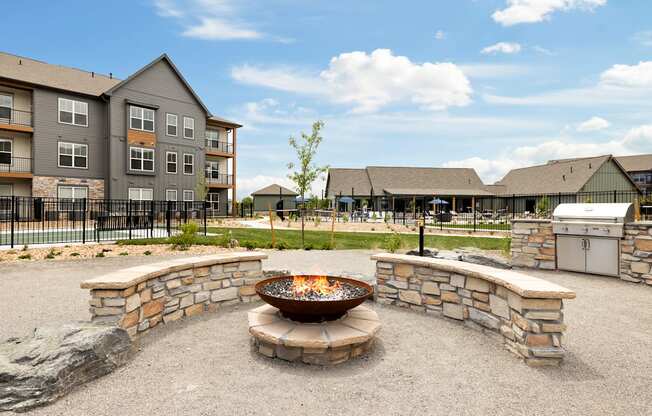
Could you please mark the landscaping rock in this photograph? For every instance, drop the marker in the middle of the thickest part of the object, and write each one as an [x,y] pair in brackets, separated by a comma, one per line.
[427,252]
[485,260]
[40,368]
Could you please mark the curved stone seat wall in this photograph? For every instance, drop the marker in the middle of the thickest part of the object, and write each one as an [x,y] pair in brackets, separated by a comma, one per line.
[140,298]
[525,311]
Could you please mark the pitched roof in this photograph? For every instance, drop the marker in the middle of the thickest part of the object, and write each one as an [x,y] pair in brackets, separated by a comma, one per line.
[405,181]
[221,120]
[35,72]
[636,163]
[566,176]
[165,58]
[275,190]
[342,180]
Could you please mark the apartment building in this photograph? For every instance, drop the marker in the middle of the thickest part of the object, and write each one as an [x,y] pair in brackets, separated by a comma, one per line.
[76,134]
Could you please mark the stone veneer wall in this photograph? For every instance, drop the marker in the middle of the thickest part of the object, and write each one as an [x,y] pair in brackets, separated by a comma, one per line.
[533,244]
[530,327]
[636,253]
[140,298]
[47,186]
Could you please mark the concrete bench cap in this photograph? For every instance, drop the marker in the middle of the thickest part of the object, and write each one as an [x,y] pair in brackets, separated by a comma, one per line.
[520,283]
[132,276]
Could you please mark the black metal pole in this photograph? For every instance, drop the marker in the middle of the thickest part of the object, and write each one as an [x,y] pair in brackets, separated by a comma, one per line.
[84,221]
[129,216]
[168,218]
[13,207]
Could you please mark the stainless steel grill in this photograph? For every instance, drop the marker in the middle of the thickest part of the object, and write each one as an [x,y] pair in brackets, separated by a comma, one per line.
[588,236]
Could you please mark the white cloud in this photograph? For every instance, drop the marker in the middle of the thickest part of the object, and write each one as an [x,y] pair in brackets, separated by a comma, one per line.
[369,82]
[492,71]
[247,185]
[543,51]
[211,28]
[629,85]
[440,35]
[637,140]
[534,11]
[593,124]
[212,20]
[629,75]
[502,47]
[644,38]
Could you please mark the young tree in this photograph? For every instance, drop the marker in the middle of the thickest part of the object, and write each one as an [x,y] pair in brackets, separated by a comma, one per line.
[306,170]
[201,188]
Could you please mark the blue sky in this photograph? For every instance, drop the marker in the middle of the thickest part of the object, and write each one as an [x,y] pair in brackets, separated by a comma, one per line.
[489,84]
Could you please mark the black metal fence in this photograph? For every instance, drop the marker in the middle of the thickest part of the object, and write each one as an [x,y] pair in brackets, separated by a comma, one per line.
[485,213]
[33,220]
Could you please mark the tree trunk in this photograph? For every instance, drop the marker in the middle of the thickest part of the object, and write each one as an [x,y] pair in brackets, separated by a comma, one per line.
[303,243]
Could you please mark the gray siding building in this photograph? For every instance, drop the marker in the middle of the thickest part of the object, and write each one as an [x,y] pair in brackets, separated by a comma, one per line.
[267,198]
[70,133]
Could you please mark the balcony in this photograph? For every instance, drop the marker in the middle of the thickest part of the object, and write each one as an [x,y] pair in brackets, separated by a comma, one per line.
[15,167]
[219,148]
[219,180]
[16,120]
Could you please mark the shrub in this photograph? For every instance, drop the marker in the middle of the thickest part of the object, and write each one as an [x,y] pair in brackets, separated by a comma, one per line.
[317,221]
[345,218]
[374,217]
[25,247]
[388,217]
[74,254]
[100,254]
[392,242]
[249,245]
[282,245]
[124,253]
[186,238]
[51,254]
[308,247]
[25,257]
[327,246]
[147,253]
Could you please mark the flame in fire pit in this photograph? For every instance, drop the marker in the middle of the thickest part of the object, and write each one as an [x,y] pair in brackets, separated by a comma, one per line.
[302,286]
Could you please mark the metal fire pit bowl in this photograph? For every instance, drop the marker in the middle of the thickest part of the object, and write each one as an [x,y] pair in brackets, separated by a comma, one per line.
[313,310]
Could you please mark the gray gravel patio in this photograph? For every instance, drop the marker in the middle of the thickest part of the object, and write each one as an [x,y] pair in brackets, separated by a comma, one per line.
[421,365]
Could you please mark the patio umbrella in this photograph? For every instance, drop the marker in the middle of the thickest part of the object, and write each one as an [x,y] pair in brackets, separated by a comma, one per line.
[438,201]
[346,199]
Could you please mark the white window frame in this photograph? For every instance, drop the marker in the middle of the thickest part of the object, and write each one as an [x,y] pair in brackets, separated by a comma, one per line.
[168,124]
[142,159]
[209,168]
[11,150]
[74,111]
[66,204]
[10,106]
[176,195]
[176,163]
[188,192]
[210,198]
[140,194]
[190,128]
[74,145]
[142,118]
[188,164]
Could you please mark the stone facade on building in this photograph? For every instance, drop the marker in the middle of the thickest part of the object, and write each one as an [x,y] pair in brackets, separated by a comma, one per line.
[47,186]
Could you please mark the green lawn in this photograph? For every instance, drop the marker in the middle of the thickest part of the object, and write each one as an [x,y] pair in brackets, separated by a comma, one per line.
[291,239]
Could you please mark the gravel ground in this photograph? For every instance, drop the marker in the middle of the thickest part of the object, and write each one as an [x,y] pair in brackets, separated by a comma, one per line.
[421,364]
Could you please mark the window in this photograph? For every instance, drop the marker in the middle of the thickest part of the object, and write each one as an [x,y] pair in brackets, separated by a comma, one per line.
[141,118]
[188,164]
[141,194]
[5,151]
[213,199]
[188,128]
[73,112]
[73,155]
[171,165]
[141,159]
[212,169]
[171,195]
[70,197]
[6,105]
[171,122]
[188,195]
[213,138]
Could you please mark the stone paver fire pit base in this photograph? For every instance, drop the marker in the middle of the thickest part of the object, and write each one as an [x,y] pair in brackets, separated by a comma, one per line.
[326,343]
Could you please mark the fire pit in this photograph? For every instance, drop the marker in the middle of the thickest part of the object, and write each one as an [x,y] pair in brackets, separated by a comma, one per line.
[314,319]
[309,298]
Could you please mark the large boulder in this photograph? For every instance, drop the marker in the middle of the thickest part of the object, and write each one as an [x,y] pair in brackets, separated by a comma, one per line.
[427,252]
[485,260]
[40,368]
